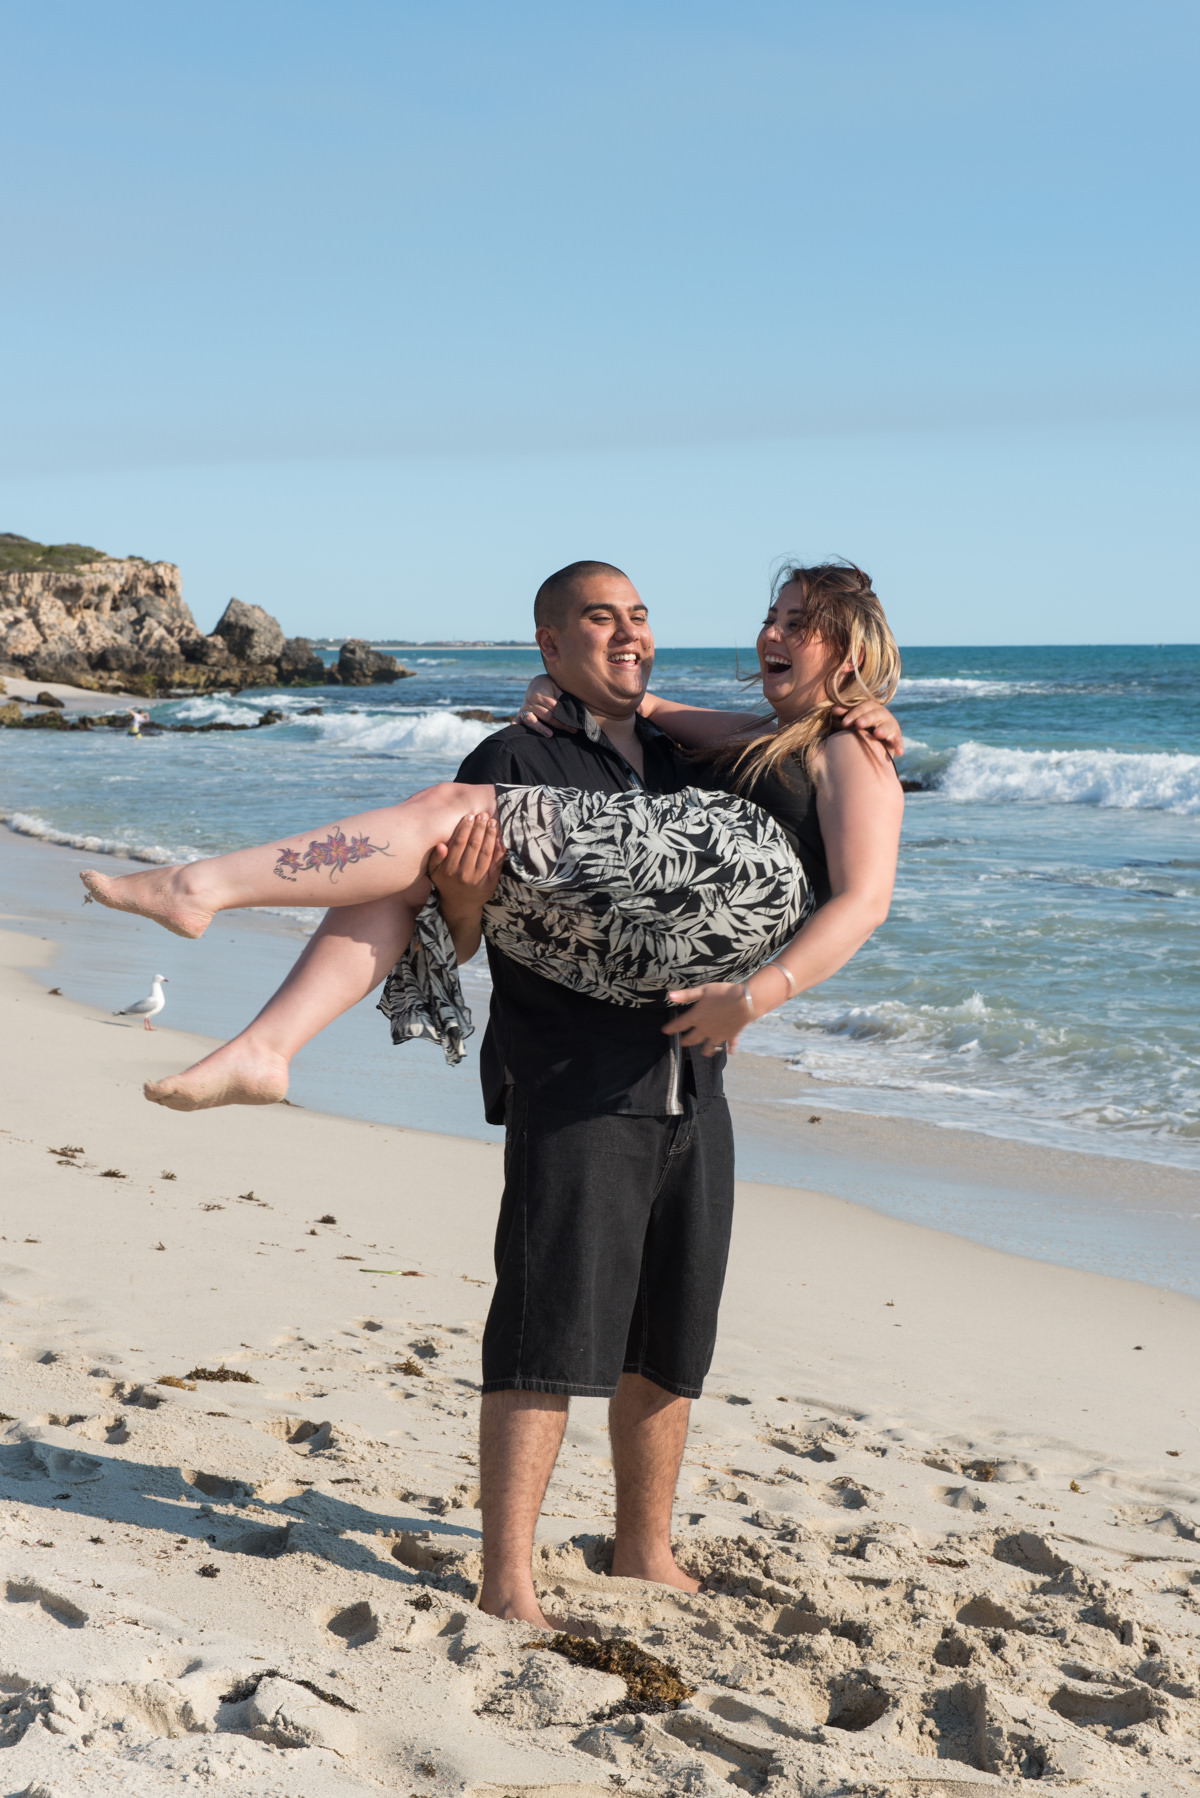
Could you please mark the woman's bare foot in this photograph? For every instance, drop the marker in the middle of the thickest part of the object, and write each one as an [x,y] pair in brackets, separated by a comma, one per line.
[238,1074]
[156,893]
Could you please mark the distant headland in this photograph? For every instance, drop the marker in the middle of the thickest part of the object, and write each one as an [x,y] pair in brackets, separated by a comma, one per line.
[71,613]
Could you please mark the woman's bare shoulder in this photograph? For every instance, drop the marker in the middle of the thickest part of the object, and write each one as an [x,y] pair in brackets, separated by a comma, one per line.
[848,755]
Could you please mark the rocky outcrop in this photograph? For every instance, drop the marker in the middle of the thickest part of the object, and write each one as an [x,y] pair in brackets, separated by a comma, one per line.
[121,623]
[249,633]
[361,666]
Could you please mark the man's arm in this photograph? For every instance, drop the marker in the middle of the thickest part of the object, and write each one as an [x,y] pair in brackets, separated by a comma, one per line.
[465,872]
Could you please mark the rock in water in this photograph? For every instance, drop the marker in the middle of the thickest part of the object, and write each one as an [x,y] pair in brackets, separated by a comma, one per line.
[249,633]
[300,665]
[361,666]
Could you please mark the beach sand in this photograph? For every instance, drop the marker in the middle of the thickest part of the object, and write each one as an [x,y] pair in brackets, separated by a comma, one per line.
[75,700]
[946,1500]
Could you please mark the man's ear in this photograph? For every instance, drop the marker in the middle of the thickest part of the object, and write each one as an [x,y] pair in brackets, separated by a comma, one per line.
[547,642]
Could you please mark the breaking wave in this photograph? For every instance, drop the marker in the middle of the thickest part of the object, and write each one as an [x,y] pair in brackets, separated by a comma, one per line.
[28,824]
[1128,781]
[432,733]
[925,687]
[428,734]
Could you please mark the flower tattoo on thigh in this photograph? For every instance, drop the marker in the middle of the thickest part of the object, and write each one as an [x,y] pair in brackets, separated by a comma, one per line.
[336,853]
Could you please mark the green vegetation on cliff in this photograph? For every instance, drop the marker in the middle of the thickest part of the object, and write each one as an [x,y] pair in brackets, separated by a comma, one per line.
[18,554]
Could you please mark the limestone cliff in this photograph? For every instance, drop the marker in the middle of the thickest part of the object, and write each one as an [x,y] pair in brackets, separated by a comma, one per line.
[71,613]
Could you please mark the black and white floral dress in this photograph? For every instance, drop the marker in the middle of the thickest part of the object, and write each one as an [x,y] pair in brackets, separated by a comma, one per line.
[620,896]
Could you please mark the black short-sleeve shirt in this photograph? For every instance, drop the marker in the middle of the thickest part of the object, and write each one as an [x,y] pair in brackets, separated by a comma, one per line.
[583,1056]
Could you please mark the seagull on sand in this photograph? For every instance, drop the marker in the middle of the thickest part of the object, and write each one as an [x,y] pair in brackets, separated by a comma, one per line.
[146,1008]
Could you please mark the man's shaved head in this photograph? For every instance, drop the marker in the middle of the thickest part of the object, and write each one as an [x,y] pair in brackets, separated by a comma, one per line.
[557,590]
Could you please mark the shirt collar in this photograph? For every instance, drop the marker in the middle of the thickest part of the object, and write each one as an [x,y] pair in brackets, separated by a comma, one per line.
[573,713]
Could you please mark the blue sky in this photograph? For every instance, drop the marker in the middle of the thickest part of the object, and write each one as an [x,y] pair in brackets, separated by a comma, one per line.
[375,314]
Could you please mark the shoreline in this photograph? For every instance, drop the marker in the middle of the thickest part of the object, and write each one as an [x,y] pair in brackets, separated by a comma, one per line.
[915,1456]
[1118,1215]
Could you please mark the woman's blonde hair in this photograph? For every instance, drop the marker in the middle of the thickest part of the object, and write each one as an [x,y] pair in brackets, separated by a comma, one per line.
[839,607]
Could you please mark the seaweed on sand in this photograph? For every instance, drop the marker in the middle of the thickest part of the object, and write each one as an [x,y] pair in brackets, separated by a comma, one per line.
[653,1685]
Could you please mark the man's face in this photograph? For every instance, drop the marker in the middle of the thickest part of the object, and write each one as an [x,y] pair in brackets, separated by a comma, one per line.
[604,650]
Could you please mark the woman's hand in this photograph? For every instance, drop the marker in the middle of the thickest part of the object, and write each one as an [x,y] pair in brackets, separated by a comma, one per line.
[541,696]
[873,720]
[465,872]
[715,1017]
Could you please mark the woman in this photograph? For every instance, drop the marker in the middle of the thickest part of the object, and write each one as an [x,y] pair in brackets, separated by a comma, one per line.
[768,874]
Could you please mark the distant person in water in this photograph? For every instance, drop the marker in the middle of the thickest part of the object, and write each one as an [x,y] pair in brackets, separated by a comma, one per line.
[136,721]
[610,873]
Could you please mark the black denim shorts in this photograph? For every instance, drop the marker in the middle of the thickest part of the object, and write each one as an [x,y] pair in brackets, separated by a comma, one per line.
[610,1250]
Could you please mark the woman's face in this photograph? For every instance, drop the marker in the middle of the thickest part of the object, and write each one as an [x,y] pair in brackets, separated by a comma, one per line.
[794,666]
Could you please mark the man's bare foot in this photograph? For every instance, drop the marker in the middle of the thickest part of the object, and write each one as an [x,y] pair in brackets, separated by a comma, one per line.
[520,1607]
[154,893]
[660,1568]
[238,1074]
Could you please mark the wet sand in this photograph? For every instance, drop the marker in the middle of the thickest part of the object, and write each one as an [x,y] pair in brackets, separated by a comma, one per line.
[1107,1214]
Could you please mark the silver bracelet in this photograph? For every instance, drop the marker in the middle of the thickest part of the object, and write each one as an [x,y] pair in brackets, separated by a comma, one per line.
[779,967]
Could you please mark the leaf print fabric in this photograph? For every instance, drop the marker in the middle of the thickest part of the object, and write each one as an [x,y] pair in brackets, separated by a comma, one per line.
[621,897]
[422,995]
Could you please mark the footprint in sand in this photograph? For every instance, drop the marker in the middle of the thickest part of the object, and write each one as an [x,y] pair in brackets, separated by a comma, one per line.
[356,1625]
[104,1429]
[41,1461]
[1163,1522]
[807,1448]
[985,1613]
[959,1498]
[846,1493]
[215,1485]
[61,1609]
[300,1433]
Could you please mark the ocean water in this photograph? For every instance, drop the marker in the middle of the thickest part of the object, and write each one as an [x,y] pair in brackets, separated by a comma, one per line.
[1039,976]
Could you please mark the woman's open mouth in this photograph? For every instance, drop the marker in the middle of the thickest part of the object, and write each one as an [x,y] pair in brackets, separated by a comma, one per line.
[776,664]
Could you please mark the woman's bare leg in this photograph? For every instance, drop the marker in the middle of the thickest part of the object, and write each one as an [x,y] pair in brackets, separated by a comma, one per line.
[371,856]
[353,950]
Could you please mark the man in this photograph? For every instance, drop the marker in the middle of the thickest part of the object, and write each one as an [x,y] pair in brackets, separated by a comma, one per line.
[618,1198]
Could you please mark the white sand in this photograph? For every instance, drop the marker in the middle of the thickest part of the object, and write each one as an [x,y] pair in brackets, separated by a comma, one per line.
[75,699]
[907,1592]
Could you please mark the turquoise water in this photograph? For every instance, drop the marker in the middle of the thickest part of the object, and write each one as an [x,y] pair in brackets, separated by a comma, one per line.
[1039,976]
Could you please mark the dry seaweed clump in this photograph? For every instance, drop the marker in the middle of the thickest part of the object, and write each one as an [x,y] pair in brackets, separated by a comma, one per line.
[653,1685]
[221,1373]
